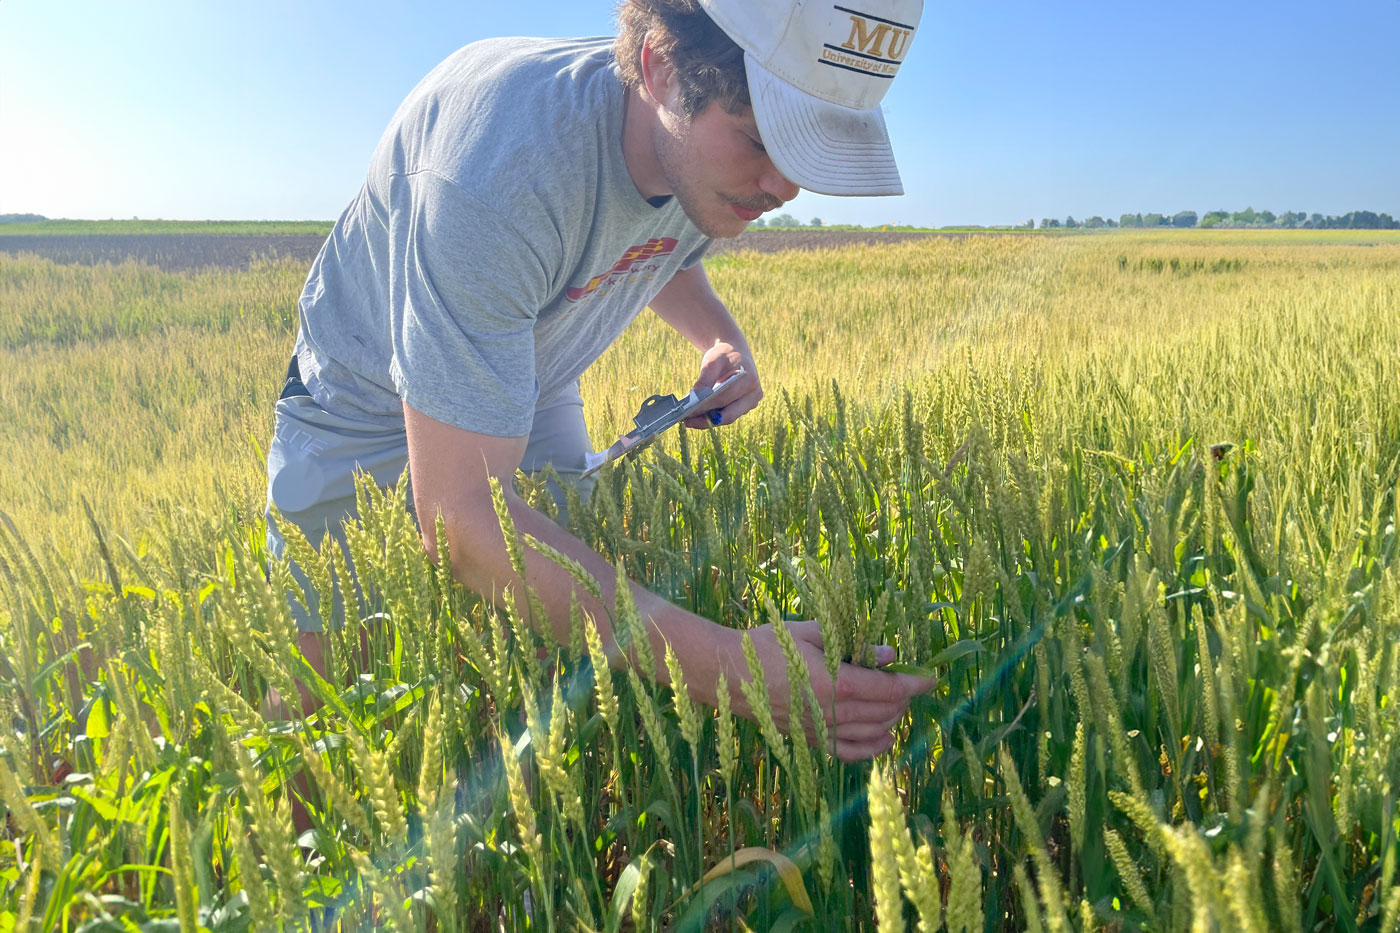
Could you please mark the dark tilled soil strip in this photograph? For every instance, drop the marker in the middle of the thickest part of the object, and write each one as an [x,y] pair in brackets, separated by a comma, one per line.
[772,241]
[173,252]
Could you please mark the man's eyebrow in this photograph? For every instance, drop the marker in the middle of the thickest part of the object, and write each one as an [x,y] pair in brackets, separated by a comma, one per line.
[746,119]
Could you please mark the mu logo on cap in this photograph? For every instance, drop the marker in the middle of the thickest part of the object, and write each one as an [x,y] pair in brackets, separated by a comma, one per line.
[875,45]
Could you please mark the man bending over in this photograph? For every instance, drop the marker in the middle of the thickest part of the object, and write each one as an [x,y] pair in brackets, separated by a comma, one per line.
[527,201]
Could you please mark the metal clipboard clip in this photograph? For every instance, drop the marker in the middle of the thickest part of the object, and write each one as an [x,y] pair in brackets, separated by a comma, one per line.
[658,414]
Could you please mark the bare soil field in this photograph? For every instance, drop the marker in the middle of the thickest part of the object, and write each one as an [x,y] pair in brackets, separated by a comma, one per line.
[772,241]
[173,252]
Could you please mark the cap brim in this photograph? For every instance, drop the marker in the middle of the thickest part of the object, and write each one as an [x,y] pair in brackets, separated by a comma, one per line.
[821,146]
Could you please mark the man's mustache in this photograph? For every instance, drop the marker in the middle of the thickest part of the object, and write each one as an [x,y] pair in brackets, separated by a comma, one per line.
[765,202]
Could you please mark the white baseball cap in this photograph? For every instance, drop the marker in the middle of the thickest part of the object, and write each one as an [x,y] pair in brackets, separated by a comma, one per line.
[817,72]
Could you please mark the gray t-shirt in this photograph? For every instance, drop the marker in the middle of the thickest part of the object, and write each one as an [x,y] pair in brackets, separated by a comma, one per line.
[496,249]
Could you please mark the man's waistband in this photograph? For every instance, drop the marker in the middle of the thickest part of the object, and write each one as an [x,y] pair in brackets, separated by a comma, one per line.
[293,387]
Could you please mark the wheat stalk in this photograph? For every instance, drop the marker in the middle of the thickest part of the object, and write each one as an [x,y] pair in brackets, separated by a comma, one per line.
[884,865]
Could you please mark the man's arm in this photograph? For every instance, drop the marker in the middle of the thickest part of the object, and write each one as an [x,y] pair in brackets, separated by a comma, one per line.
[451,470]
[689,304]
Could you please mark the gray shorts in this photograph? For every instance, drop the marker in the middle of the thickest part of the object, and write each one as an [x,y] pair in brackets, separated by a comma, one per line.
[315,454]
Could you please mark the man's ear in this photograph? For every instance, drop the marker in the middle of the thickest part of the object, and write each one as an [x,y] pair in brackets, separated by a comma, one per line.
[659,85]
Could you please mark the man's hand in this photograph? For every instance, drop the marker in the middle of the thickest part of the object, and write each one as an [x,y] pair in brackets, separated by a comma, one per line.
[690,305]
[743,396]
[868,703]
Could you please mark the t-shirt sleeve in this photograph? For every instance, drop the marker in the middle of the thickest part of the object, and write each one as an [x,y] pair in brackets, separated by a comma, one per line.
[465,289]
[697,254]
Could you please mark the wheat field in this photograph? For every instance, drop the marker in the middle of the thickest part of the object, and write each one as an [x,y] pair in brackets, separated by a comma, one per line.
[1131,497]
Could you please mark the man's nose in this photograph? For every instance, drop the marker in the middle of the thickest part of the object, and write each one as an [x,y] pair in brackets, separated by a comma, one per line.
[773,182]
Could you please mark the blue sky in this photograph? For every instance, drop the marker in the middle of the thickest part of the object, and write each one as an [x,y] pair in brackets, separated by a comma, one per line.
[1002,112]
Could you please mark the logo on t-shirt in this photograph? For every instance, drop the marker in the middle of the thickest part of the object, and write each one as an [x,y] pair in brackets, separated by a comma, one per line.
[638,264]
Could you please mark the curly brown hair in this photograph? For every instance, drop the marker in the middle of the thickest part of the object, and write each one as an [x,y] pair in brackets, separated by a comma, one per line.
[709,66]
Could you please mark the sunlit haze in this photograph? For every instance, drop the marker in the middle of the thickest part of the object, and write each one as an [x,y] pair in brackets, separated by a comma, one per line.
[1002,112]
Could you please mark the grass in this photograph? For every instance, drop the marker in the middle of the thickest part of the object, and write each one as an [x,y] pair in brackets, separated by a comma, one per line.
[1133,496]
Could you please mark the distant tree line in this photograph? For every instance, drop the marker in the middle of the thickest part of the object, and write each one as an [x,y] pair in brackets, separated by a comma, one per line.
[1182,219]
[1354,220]
[20,218]
[785,220]
[1247,218]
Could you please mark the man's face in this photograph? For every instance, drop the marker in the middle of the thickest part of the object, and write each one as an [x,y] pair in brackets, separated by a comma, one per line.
[716,166]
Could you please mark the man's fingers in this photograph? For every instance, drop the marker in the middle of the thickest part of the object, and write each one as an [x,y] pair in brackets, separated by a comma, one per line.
[853,711]
[740,398]
[741,406]
[727,412]
[852,752]
[860,683]
[715,369]
[698,422]
[859,741]
[808,630]
[863,731]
